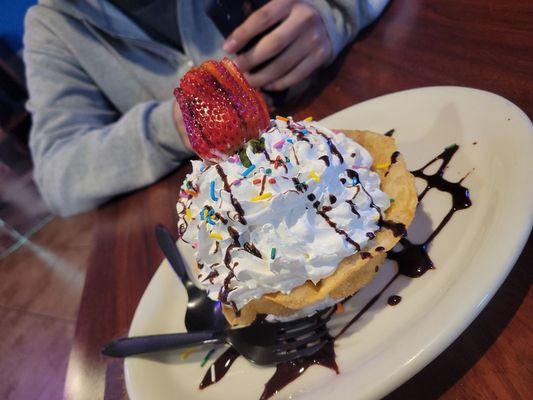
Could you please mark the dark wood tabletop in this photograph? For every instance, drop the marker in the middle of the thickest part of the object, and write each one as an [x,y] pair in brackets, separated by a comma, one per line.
[486,44]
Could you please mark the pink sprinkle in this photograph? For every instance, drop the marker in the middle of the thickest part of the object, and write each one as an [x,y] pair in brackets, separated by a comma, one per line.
[232,159]
[279,145]
[236,182]
[195,245]
[336,132]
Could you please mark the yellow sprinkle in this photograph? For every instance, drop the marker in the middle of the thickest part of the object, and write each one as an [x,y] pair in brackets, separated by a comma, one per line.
[280,118]
[382,166]
[187,352]
[376,218]
[308,119]
[314,176]
[215,236]
[262,197]
[188,214]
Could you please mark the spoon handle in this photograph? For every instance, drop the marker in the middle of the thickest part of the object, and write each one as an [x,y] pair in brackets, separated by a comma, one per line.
[168,247]
[129,346]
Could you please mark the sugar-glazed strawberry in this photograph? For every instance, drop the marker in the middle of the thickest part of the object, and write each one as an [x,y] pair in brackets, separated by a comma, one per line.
[220,110]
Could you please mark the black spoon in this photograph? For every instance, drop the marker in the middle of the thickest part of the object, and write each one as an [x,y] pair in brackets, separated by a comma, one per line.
[203,314]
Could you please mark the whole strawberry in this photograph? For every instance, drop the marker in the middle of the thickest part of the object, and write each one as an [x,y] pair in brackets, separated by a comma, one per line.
[221,111]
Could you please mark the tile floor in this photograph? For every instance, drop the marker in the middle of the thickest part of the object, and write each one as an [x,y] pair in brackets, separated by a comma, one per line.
[22,211]
[39,290]
[39,299]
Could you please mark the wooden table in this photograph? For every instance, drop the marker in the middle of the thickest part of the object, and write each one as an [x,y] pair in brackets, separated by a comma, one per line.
[477,43]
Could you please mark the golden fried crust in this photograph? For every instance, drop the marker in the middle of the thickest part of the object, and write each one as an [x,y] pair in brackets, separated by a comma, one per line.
[353,272]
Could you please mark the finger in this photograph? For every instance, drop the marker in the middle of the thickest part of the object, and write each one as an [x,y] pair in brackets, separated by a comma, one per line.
[286,61]
[258,22]
[275,42]
[299,72]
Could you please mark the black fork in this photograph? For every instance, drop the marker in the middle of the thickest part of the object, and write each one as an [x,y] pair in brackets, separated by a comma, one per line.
[262,342]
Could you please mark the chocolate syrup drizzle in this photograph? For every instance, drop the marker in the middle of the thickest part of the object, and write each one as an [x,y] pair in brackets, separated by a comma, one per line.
[413,261]
[332,148]
[295,156]
[322,212]
[325,159]
[263,181]
[234,201]
[393,159]
[250,248]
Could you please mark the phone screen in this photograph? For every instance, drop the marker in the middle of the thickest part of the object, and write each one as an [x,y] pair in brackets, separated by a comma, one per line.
[227,15]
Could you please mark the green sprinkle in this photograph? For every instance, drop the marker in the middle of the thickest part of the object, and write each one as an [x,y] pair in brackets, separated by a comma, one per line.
[244,158]
[287,159]
[268,171]
[257,145]
[207,356]
[391,200]
[273,253]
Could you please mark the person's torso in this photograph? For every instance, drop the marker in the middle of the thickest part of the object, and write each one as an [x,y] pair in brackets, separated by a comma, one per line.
[126,63]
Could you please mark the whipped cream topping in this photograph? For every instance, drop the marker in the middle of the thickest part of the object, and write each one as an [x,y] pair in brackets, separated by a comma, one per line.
[304,199]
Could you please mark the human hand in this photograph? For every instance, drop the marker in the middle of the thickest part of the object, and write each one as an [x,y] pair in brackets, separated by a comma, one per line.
[180,126]
[300,42]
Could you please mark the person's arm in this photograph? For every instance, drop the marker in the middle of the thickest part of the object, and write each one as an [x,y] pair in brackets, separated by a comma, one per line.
[309,35]
[84,152]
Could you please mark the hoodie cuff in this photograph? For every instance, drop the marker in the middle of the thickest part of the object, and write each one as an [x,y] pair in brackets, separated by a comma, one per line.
[335,25]
[165,132]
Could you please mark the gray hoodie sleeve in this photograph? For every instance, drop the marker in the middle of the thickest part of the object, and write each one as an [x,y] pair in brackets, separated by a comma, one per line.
[83,150]
[345,18]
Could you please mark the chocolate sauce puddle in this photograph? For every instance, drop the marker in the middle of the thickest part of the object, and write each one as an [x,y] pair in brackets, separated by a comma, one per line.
[218,369]
[394,300]
[413,261]
[290,371]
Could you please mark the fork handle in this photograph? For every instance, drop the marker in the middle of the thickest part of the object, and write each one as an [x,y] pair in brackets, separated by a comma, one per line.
[128,346]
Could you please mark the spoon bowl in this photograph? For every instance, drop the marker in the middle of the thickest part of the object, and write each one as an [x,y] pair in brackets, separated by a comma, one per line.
[203,313]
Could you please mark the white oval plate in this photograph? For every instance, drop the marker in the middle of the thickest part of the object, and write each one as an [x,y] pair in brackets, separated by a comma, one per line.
[473,255]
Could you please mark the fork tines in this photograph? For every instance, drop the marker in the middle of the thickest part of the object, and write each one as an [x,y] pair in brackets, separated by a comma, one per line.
[302,337]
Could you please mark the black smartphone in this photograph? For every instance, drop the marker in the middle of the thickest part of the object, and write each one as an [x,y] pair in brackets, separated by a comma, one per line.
[227,15]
